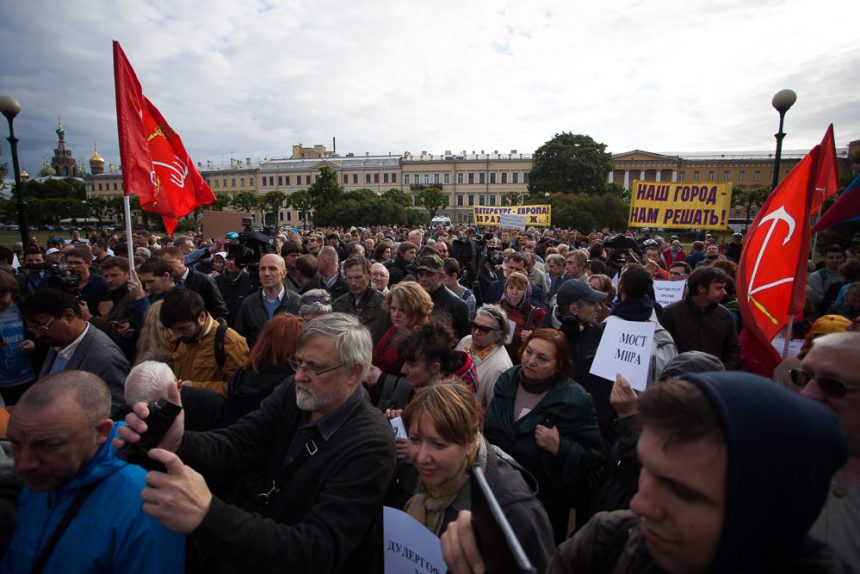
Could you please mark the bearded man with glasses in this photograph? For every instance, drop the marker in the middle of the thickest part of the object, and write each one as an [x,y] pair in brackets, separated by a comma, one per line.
[311,468]
[830,375]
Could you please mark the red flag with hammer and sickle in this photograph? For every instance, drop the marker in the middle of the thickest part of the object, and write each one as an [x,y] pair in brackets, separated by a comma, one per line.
[155,166]
[771,280]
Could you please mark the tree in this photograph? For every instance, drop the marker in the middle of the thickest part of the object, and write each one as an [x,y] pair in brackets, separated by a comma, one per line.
[585,212]
[747,198]
[398,197]
[99,208]
[431,199]
[301,200]
[511,198]
[245,201]
[570,163]
[222,201]
[326,190]
[273,201]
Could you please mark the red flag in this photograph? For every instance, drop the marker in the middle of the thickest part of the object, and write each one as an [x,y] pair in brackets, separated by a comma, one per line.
[827,176]
[155,166]
[846,208]
[771,281]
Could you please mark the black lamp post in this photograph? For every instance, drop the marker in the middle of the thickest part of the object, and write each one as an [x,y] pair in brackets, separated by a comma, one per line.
[10,108]
[782,101]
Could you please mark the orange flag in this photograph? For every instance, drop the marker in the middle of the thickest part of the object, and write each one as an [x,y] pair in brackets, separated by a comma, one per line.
[155,166]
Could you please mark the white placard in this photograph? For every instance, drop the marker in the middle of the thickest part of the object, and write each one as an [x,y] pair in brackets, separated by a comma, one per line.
[512,326]
[667,292]
[398,428]
[794,346]
[409,546]
[512,221]
[625,348]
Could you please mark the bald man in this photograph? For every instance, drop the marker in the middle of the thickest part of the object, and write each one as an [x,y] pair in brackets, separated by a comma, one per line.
[270,300]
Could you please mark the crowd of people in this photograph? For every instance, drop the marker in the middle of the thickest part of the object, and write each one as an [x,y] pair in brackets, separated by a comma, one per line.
[293,372]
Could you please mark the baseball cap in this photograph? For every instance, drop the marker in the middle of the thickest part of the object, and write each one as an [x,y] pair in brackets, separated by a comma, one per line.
[575,290]
[51,251]
[431,263]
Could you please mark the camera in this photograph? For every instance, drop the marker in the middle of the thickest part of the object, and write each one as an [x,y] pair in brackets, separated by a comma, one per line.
[57,276]
[248,247]
[162,413]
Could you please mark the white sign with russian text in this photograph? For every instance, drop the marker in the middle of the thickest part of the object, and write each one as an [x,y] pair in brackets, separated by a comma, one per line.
[409,546]
[512,221]
[625,348]
[667,292]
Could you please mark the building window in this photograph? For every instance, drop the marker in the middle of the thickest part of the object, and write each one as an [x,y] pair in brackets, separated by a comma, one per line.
[316,179]
[481,199]
[460,178]
[436,178]
[492,200]
[447,178]
[726,175]
[242,182]
[695,176]
[367,178]
[281,215]
[272,179]
[515,177]
[385,178]
[742,175]
[525,177]
[216,183]
[394,177]
[345,178]
[493,177]
[406,178]
[308,179]
[280,180]
[482,177]
[233,182]
[459,200]
[504,177]
[712,175]
[426,179]
[355,178]
[756,175]
[471,199]
[224,184]
[471,177]
[288,180]
[375,178]
[681,175]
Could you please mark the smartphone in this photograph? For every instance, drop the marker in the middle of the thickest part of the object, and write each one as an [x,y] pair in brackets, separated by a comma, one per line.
[499,546]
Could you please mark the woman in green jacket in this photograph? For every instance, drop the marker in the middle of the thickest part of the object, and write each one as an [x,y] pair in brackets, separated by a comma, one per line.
[547,422]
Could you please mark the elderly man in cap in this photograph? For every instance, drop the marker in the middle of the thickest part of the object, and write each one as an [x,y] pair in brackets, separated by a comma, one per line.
[430,269]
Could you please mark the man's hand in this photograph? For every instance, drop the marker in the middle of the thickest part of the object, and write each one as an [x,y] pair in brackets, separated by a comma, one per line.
[85,310]
[623,398]
[124,330]
[459,548]
[548,439]
[130,433]
[179,499]
[373,376]
[135,287]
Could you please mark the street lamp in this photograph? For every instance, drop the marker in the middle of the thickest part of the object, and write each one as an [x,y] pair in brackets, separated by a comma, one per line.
[10,108]
[782,101]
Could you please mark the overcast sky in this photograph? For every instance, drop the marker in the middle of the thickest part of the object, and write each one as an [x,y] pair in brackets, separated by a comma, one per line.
[249,79]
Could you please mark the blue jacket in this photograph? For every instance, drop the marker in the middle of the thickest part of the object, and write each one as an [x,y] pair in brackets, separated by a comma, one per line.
[111,533]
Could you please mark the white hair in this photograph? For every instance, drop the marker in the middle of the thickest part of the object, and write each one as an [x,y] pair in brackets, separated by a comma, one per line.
[148,382]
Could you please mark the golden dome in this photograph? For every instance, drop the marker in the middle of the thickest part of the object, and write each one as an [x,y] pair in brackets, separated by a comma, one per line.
[24,174]
[96,158]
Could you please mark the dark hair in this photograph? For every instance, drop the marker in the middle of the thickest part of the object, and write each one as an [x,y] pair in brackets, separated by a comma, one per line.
[379,251]
[597,267]
[563,365]
[834,248]
[81,252]
[850,270]
[698,246]
[635,282]
[290,246]
[358,261]
[156,266]
[172,251]
[681,412]
[115,261]
[405,246]
[51,302]
[307,265]
[8,283]
[684,264]
[703,277]
[33,250]
[179,306]
[451,266]
[6,254]
[433,343]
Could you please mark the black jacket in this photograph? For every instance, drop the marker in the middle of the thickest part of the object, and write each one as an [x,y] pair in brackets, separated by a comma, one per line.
[326,512]
[204,286]
[234,292]
[710,329]
[252,314]
[446,301]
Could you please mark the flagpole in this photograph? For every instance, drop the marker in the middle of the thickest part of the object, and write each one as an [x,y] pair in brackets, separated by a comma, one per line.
[788,330]
[815,237]
[126,204]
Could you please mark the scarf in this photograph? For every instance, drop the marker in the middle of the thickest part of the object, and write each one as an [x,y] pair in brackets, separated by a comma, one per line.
[428,505]
[535,387]
[527,296]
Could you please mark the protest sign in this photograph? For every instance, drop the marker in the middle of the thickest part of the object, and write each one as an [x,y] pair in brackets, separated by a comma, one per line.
[398,428]
[680,205]
[512,221]
[794,345]
[536,215]
[666,292]
[625,348]
[409,546]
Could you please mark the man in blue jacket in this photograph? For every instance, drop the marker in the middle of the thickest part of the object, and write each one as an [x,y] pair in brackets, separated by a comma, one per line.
[61,441]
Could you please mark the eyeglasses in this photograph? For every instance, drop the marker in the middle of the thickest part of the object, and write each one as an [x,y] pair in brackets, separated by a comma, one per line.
[829,386]
[482,328]
[45,326]
[299,365]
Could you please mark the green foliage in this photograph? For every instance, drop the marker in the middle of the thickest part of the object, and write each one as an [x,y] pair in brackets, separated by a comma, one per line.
[326,190]
[273,201]
[246,201]
[398,197]
[586,212]
[301,200]
[415,217]
[570,163]
[747,198]
[511,198]
[222,201]
[432,199]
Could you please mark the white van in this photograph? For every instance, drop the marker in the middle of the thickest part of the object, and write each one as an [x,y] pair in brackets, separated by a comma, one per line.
[440,220]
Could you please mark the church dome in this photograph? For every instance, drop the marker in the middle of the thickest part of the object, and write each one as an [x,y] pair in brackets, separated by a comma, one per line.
[96,158]
[24,174]
[47,170]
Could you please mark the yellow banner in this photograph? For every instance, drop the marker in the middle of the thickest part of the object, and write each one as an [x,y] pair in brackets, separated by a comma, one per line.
[536,215]
[680,205]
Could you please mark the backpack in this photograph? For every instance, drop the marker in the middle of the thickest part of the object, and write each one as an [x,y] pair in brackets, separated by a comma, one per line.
[220,355]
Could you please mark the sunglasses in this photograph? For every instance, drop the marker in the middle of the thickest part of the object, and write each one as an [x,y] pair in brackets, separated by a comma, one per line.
[829,386]
[482,328]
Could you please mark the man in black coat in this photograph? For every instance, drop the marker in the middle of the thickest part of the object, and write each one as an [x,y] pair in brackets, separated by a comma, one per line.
[312,466]
[271,299]
[201,284]
[430,269]
[234,283]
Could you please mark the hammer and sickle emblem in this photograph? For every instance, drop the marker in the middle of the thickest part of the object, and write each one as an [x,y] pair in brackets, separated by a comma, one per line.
[774,218]
[155,134]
